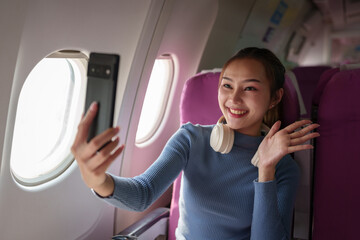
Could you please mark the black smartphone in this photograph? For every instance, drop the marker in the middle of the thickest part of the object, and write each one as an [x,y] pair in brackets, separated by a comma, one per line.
[102,76]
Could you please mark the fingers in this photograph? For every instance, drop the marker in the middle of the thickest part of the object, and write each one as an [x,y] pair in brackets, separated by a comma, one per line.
[299,148]
[101,156]
[303,139]
[304,131]
[292,127]
[83,128]
[97,142]
[84,151]
[105,164]
[274,129]
[298,138]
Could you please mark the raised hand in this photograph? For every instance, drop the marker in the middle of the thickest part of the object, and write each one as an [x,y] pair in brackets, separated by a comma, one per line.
[93,162]
[278,143]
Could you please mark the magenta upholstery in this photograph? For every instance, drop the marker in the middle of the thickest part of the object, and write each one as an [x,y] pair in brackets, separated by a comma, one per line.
[199,104]
[290,104]
[324,79]
[337,159]
[308,78]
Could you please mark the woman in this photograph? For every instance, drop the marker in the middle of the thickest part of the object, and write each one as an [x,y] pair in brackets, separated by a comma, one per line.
[223,196]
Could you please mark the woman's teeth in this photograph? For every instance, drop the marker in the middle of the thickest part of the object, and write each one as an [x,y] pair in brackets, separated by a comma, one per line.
[238,112]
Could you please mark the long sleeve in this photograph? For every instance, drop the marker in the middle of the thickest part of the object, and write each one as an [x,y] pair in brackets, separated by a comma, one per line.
[140,192]
[274,202]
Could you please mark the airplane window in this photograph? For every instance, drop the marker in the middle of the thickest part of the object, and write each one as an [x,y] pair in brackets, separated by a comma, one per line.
[155,99]
[46,119]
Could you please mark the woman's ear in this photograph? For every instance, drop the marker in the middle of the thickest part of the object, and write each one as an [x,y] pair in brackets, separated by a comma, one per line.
[277,98]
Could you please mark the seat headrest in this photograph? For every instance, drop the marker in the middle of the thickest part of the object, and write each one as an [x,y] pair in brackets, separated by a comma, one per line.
[199,102]
[324,79]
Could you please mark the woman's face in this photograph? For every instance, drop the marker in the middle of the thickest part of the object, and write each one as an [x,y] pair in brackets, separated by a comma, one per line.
[244,96]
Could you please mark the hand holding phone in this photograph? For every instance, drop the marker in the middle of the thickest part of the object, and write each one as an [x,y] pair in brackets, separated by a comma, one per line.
[97,123]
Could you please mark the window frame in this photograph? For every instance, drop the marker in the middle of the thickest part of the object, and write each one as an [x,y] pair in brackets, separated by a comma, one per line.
[78,64]
[156,126]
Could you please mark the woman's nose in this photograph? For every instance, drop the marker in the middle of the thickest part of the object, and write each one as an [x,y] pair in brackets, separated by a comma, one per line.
[237,96]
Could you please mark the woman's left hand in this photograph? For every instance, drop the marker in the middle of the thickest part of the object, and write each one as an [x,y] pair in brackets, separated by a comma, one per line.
[277,144]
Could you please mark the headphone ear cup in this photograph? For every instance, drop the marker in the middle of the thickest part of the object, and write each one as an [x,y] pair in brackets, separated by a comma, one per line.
[222,138]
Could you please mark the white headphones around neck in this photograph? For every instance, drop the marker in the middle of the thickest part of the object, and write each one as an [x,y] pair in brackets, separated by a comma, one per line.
[222,138]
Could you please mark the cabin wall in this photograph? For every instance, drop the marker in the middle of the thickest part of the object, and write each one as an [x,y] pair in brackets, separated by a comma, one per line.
[230,21]
[63,208]
[11,26]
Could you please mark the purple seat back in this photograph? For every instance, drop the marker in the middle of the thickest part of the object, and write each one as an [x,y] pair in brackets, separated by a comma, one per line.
[199,104]
[324,79]
[308,78]
[337,159]
[290,104]
[199,101]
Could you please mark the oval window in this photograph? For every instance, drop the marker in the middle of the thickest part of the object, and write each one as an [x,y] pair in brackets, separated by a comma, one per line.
[156,98]
[48,109]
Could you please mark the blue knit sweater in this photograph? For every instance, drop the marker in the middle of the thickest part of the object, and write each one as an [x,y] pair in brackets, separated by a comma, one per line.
[220,196]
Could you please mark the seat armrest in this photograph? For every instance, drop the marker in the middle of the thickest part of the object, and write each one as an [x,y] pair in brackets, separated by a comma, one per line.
[135,230]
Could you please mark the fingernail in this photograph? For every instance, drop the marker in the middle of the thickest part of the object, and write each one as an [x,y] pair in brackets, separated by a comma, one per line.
[93,106]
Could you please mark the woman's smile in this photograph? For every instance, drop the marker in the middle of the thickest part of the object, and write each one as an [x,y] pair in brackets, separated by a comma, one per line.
[237,113]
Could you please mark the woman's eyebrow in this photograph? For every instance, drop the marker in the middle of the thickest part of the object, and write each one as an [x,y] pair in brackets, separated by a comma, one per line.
[252,80]
[246,80]
[227,78]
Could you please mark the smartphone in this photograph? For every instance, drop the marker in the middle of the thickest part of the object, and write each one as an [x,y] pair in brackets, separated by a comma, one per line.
[102,76]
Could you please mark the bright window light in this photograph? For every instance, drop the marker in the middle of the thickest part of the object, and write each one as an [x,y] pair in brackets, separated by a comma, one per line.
[156,98]
[45,120]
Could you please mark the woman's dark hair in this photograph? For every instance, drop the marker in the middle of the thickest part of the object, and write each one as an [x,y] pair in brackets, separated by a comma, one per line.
[275,72]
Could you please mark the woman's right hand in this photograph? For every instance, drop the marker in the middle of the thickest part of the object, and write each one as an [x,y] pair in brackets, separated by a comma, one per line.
[93,163]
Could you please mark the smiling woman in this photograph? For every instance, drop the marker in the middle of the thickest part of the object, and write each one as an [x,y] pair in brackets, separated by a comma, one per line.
[45,120]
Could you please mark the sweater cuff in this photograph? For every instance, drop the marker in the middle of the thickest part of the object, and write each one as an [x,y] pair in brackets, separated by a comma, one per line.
[256,181]
[108,197]
[96,194]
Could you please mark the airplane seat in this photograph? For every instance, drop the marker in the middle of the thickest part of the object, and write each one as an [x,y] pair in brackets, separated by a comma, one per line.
[305,159]
[295,83]
[199,101]
[324,79]
[290,104]
[337,159]
[308,78]
[199,105]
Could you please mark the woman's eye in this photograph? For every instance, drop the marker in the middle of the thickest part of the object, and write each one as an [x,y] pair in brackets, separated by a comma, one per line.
[226,86]
[250,89]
